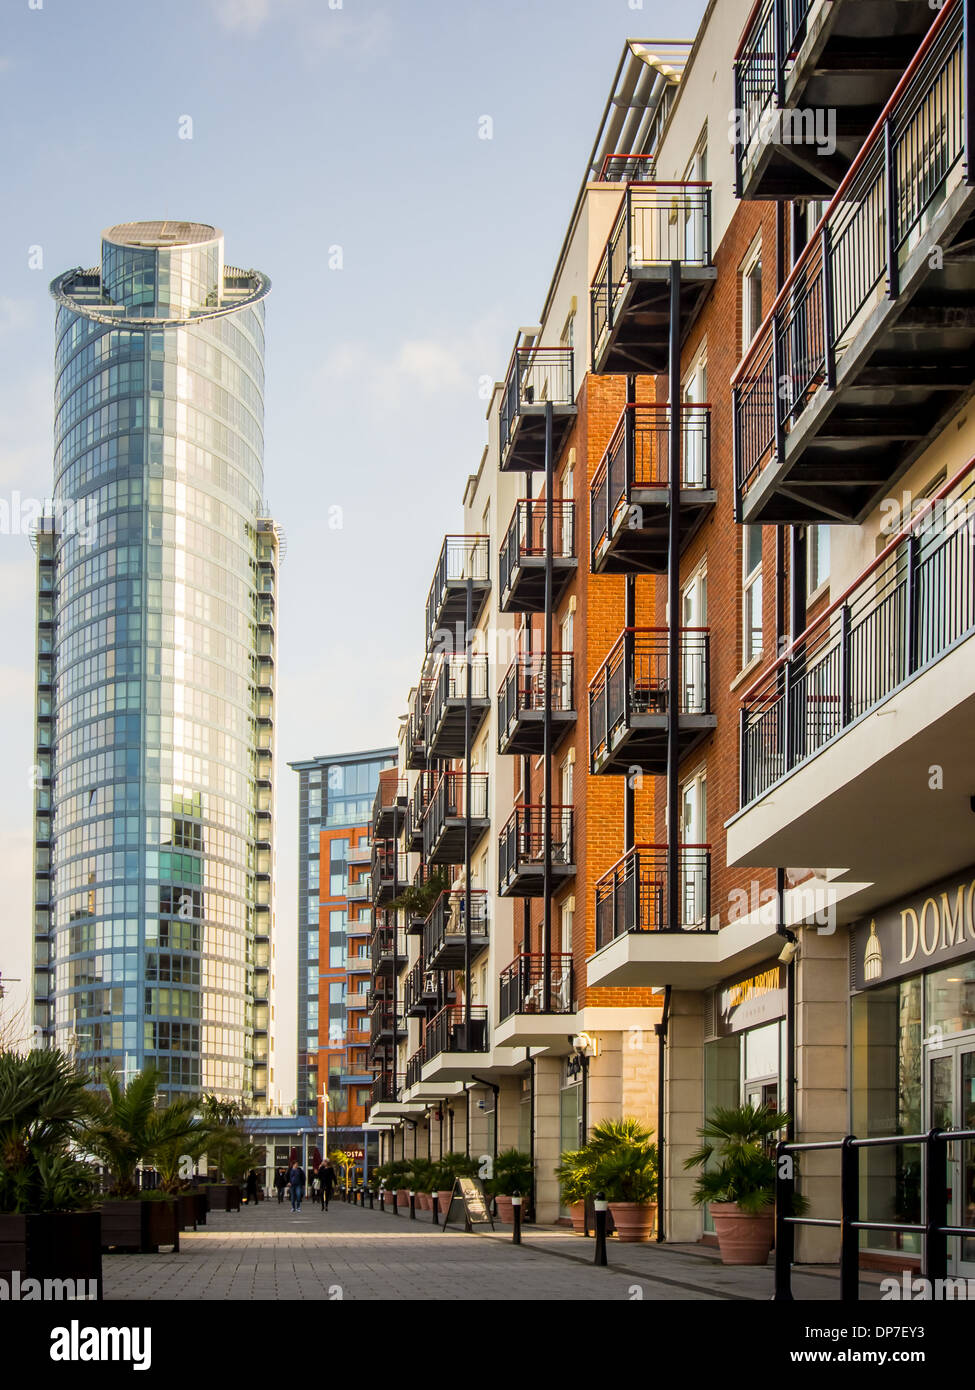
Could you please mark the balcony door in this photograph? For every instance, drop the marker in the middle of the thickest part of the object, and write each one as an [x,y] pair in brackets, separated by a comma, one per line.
[694,614]
[693,864]
[694,203]
[693,425]
[951,1105]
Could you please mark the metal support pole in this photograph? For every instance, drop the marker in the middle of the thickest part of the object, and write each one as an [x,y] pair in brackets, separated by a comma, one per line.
[674,611]
[935,1262]
[849,1216]
[468,725]
[784,1230]
[599,1258]
[547,808]
[412,1205]
[661,1031]
[436,1208]
[629,611]
[516,1218]
[531,1127]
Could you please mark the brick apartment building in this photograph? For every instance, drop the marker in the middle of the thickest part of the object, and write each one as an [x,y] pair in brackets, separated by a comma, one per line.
[756,356]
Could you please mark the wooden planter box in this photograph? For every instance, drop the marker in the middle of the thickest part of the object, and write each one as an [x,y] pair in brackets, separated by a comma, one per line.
[53,1245]
[224,1196]
[192,1208]
[140,1226]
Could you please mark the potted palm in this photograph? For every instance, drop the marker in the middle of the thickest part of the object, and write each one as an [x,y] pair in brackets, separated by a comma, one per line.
[47,1230]
[127,1125]
[513,1176]
[624,1167]
[174,1160]
[737,1181]
[424,1182]
[401,1179]
[574,1175]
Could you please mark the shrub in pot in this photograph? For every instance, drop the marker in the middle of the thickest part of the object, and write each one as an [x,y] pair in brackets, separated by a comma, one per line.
[512,1174]
[624,1167]
[574,1175]
[737,1180]
[449,1168]
[46,1228]
[424,1182]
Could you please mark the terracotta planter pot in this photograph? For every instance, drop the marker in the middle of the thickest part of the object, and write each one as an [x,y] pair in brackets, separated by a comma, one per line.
[742,1239]
[426,1201]
[578,1213]
[505,1210]
[140,1226]
[53,1245]
[403,1197]
[443,1202]
[633,1220]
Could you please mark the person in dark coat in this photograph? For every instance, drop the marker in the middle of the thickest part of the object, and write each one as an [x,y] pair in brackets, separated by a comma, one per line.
[281,1182]
[326,1182]
[296,1181]
[251,1187]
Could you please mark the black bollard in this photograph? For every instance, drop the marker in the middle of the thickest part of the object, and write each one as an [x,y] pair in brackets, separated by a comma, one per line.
[600,1208]
[436,1208]
[412,1205]
[516,1218]
[371,1208]
[382,1199]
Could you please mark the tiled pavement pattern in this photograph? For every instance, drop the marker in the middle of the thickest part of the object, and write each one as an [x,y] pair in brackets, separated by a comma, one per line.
[265,1252]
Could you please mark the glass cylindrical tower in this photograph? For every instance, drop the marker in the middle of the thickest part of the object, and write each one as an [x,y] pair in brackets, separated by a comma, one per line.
[159,911]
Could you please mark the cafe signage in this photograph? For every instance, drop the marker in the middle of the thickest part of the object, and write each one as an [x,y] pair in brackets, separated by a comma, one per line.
[928,929]
[752,1000]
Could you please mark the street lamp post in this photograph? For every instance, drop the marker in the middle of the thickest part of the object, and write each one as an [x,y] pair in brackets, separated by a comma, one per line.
[324,1125]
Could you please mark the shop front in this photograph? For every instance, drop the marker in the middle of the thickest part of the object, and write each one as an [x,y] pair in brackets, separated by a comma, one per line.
[912,1029]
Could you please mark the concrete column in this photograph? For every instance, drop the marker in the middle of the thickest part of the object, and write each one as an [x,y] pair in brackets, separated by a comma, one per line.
[638,1074]
[684,1104]
[548,1076]
[606,1080]
[822,1108]
[481,1142]
[509,1105]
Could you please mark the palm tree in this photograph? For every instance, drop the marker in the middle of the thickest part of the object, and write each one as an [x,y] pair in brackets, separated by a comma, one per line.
[739,1136]
[43,1104]
[128,1125]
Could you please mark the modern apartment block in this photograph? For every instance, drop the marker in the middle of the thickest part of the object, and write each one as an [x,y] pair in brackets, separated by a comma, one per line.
[691,736]
[156,581]
[335,807]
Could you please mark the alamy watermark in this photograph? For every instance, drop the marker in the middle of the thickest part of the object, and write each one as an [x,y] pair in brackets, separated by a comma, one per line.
[16,1289]
[793,126]
[21,516]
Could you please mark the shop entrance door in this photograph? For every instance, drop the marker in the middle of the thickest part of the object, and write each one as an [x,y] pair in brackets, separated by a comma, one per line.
[951,1105]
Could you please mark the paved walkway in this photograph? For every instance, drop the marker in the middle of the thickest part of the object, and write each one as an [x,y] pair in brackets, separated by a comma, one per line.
[266,1252]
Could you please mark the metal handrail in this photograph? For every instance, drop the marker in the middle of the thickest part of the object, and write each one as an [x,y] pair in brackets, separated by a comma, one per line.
[521,985]
[633,895]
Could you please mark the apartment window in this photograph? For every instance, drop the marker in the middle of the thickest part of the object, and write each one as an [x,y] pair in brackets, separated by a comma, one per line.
[817,557]
[694,618]
[694,423]
[751,593]
[568,338]
[751,295]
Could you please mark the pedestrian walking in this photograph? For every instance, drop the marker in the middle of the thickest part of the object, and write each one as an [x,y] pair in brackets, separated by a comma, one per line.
[296,1181]
[326,1182]
[251,1187]
[281,1182]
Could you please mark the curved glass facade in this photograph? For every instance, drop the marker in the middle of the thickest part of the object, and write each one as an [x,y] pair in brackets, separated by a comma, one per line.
[160,851]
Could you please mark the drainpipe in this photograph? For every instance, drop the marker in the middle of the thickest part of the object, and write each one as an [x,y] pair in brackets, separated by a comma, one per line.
[468,905]
[531,1128]
[661,1031]
[673,607]
[467,1126]
[629,611]
[547,725]
[491,1086]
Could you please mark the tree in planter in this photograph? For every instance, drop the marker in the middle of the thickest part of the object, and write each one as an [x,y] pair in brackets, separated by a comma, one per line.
[425,1177]
[624,1168]
[127,1125]
[740,1187]
[43,1107]
[419,899]
[574,1175]
[513,1176]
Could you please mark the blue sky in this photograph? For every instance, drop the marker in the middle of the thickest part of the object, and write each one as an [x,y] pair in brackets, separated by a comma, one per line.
[314,125]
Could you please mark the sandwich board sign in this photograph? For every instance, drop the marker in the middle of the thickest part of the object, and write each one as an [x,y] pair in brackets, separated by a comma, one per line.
[468,1196]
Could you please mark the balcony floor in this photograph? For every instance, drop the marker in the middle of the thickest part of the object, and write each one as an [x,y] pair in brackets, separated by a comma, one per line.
[643,743]
[908,369]
[451,953]
[526,448]
[639,340]
[645,549]
[686,960]
[526,880]
[525,590]
[447,739]
[526,734]
[448,845]
[452,611]
[553,1032]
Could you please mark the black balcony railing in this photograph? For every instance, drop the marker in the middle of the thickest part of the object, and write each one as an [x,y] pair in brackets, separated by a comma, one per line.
[535,375]
[523,689]
[414,1068]
[448,802]
[633,896]
[416,808]
[416,744]
[448,696]
[523,986]
[657,223]
[525,536]
[390,796]
[385,1021]
[908,608]
[388,873]
[461,558]
[628,168]
[521,844]
[448,1032]
[853,259]
[637,460]
[445,930]
[765,58]
[384,1089]
[383,948]
[635,680]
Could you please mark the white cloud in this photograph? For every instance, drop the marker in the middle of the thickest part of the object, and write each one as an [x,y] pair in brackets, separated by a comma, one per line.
[243,16]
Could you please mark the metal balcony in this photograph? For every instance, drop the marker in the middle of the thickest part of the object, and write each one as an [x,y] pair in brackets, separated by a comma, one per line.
[384,1089]
[416,739]
[536,376]
[870,346]
[657,224]
[387,957]
[463,560]
[448,1032]
[632,897]
[628,168]
[445,930]
[811,77]
[420,993]
[446,709]
[389,807]
[448,814]
[521,561]
[522,986]
[521,851]
[630,695]
[415,809]
[414,1068]
[521,702]
[389,871]
[909,608]
[361,889]
[385,1024]
[629,497]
